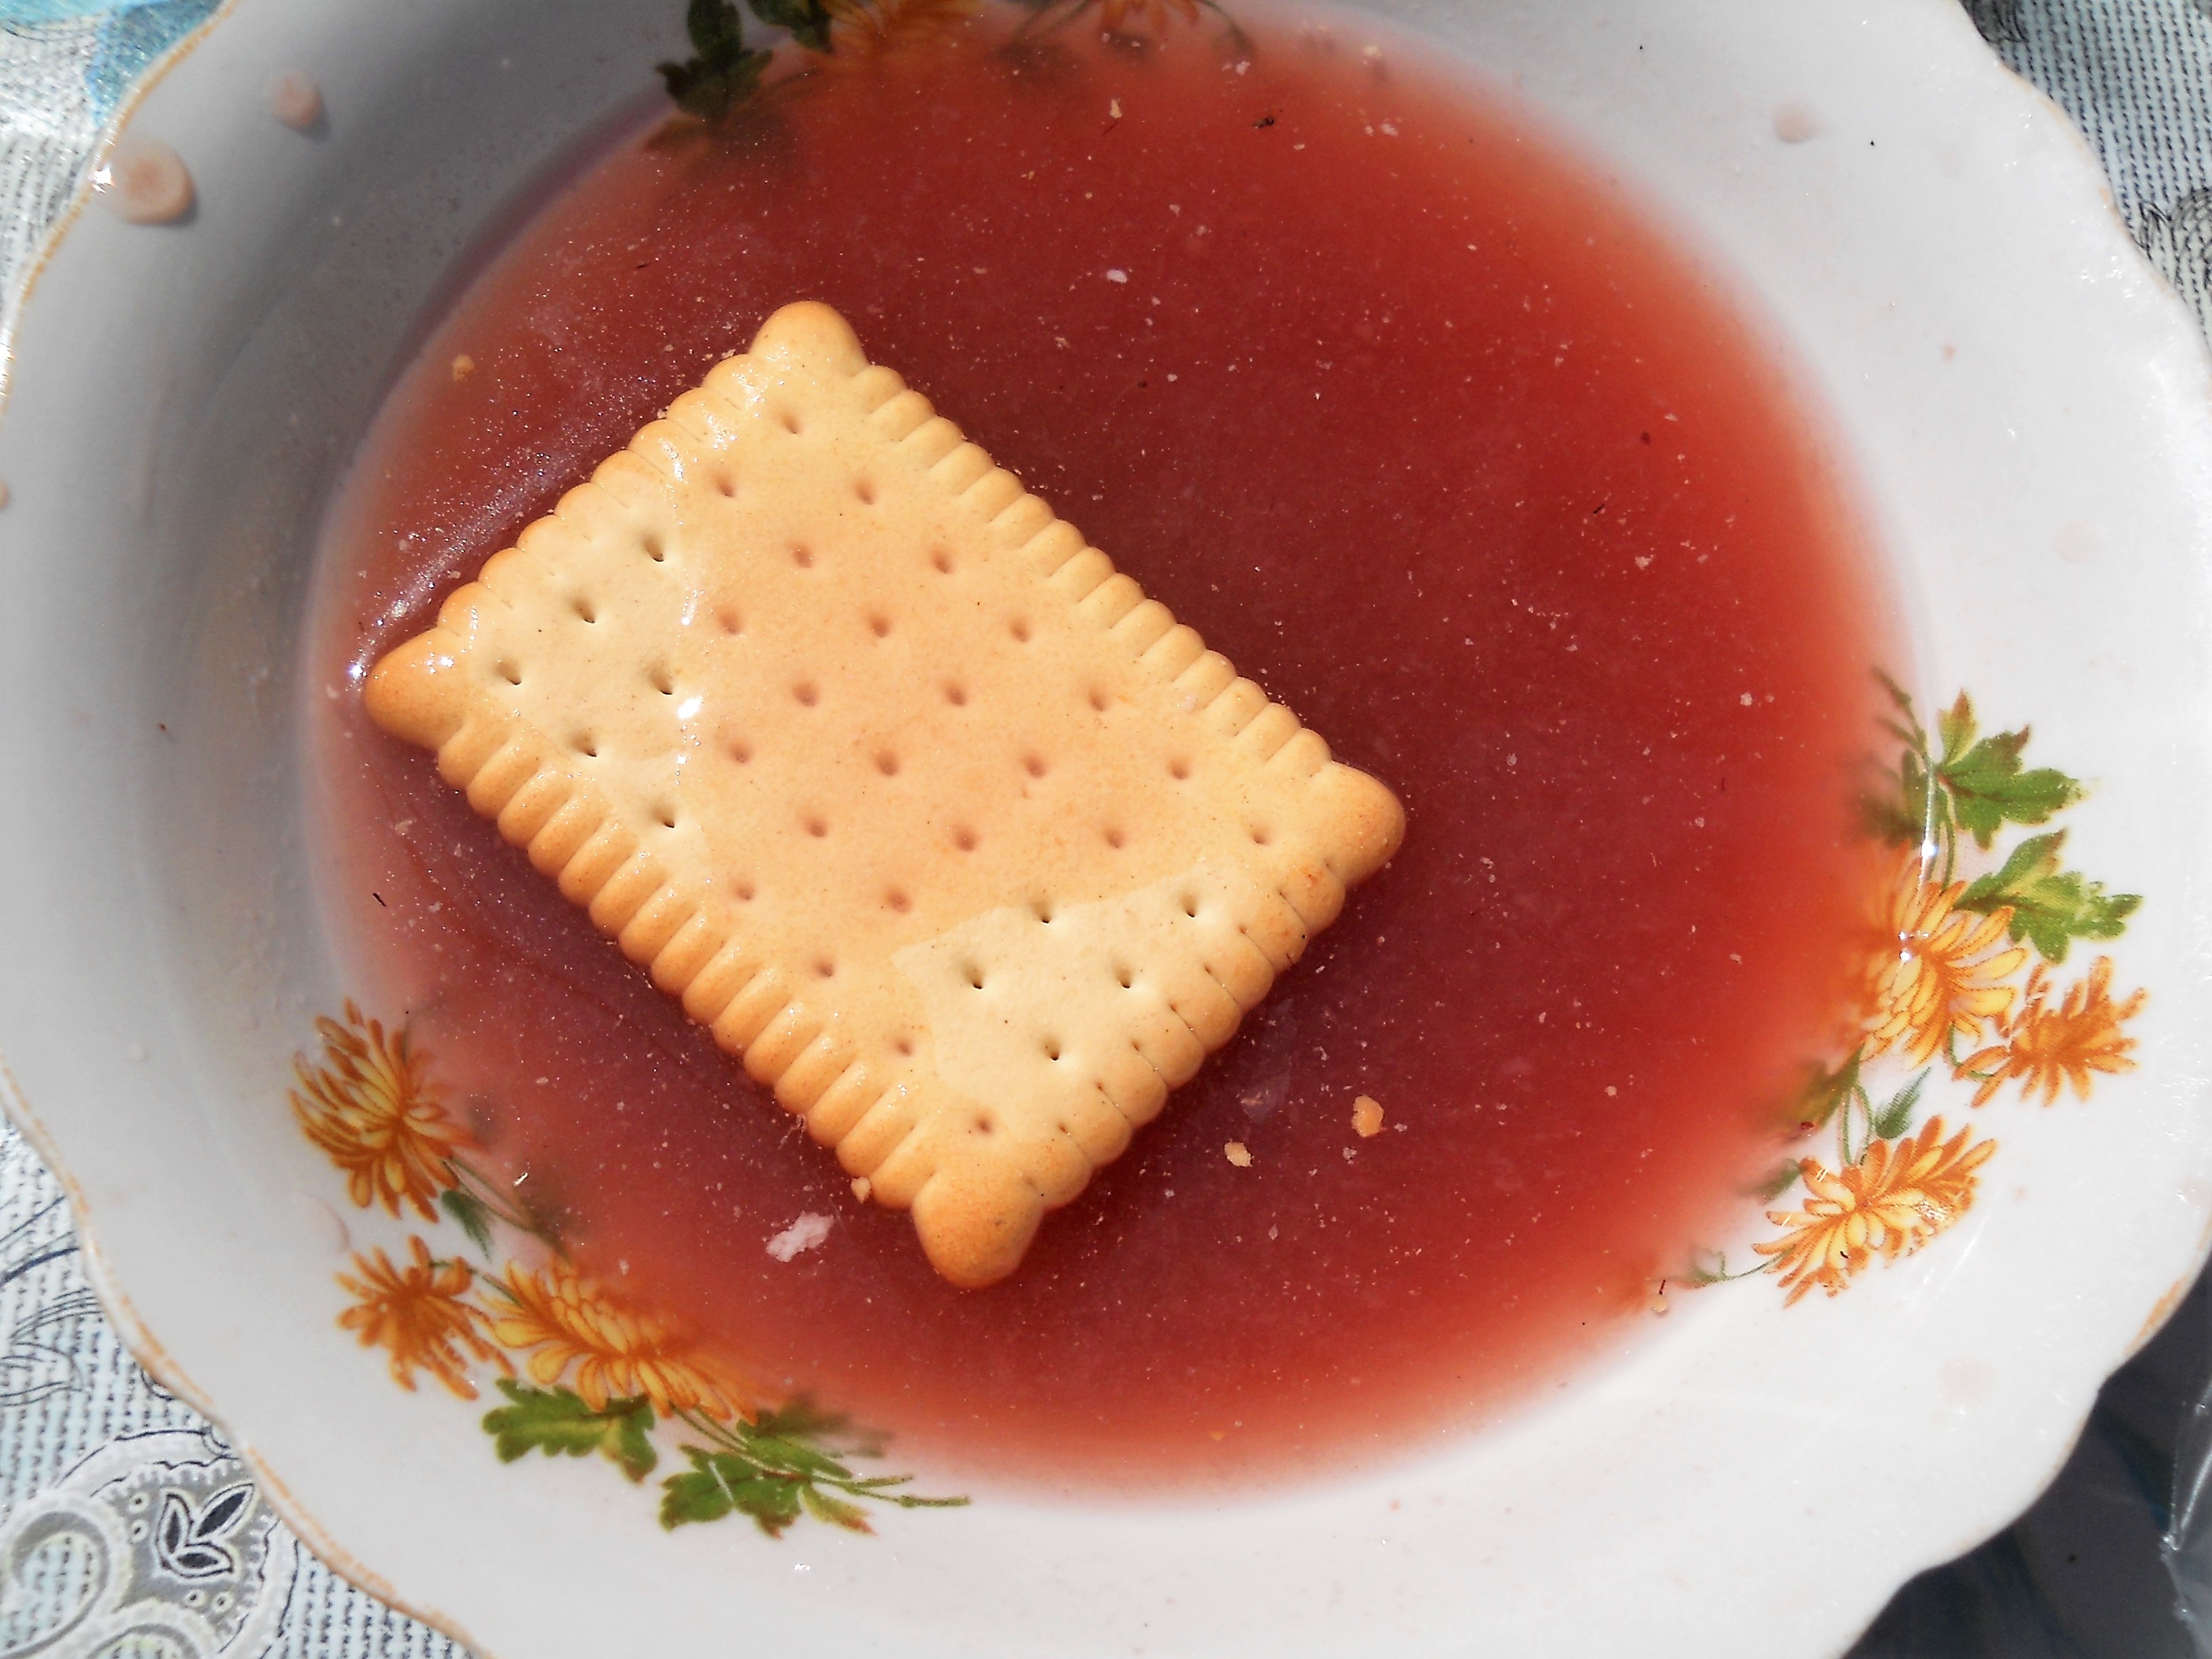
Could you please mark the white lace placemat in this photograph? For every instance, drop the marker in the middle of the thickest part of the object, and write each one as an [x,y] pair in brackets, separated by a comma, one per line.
[128,1530]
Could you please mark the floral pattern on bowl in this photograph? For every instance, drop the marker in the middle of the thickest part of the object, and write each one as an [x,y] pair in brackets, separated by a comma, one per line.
[1956,961]
[605,1376]
[1958,976]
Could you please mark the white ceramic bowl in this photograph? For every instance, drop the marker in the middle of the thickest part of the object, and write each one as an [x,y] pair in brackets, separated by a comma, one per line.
[2025,409]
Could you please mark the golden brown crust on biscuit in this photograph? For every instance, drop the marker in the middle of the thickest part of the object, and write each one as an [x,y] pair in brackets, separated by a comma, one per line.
[969,850]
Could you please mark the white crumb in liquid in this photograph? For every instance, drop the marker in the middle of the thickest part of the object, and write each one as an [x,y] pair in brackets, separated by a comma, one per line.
[802,1234]
[1117,275]
[143,182]
[1239,1154]
[296,100]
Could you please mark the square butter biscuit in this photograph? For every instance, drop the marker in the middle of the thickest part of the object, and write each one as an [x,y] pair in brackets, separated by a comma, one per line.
[967,848]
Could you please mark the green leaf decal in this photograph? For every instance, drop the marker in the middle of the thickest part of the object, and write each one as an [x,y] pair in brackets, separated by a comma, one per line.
[558,1423]
[787,1463]
[834,1510]
[1893,1119]
[2051,906]
[807,19]
[1898,813]
[701,1495]
[469,1210]
[785,1441]
[720,1483]
[722,71]
[1901,811]
[1825,1090]
[1779,1180]
[1986,783]
[1957,727]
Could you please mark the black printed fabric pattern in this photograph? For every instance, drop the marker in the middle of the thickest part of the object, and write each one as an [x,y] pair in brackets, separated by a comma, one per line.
[2136,78]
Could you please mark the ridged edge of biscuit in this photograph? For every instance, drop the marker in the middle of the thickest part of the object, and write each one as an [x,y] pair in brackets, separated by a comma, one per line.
[974,1222]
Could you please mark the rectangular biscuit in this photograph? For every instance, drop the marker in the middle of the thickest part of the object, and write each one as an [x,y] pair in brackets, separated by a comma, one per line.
[967,848]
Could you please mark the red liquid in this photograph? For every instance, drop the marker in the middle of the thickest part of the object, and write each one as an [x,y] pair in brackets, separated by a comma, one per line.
[1433,437]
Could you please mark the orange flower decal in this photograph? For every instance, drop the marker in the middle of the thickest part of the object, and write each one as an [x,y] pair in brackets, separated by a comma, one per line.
[863,32]
[1897,1197]
[1938,971]
[2047,1046]
[1114,17]
[369,1106]
[416,1312]
[616,1350]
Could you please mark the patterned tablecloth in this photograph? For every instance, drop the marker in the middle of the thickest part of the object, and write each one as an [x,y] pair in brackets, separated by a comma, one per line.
[128,1531]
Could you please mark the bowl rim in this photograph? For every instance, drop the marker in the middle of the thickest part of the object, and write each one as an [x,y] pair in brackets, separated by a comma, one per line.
[137,1333]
